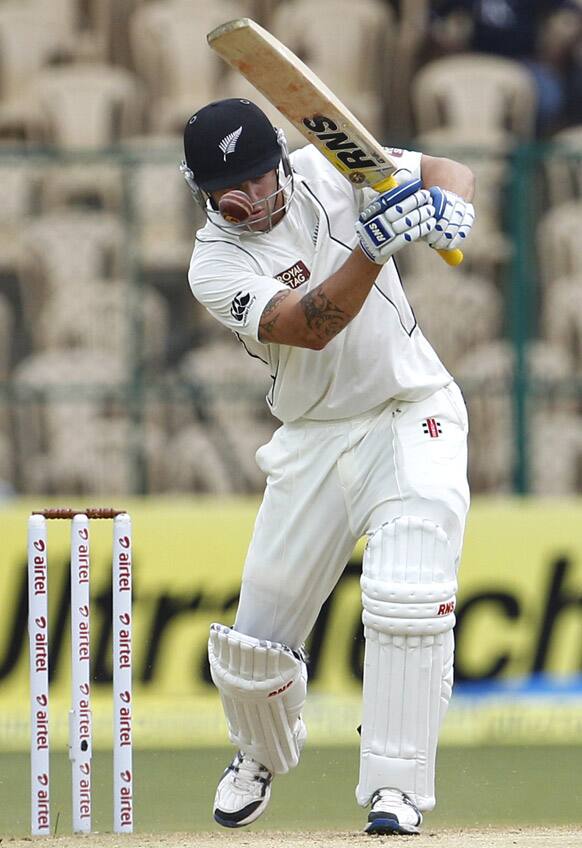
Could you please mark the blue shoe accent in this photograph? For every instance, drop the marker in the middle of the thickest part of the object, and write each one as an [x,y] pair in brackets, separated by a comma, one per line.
[383,825]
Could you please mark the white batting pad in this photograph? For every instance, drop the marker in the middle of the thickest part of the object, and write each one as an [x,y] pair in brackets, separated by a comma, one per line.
[262,686]
[408,596]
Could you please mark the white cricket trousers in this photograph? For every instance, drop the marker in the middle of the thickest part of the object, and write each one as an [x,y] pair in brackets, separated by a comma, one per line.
[331,482]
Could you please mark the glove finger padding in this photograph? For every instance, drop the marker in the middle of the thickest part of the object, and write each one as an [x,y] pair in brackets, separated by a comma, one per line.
[393,219]
[394,204]
[413,219]
[454,220]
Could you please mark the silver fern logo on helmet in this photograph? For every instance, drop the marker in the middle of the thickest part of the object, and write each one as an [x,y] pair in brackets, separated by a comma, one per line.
[228,143]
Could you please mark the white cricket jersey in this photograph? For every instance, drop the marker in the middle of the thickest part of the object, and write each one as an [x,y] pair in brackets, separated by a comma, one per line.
[380,355]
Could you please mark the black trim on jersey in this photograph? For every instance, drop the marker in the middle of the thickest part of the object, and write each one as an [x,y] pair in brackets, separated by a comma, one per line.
[323,209]
[271,400]
[397,269]
[234,244]
[253,355]
[391,302]
[272,376]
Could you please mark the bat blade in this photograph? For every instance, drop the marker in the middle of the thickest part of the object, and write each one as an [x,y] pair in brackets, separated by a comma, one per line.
[303,99]
[319,115]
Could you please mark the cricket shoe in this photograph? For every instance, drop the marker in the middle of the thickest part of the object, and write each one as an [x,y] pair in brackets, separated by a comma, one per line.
[243,792]
[392,812]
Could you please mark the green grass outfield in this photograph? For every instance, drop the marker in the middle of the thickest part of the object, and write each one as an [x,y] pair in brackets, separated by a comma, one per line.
[173,790]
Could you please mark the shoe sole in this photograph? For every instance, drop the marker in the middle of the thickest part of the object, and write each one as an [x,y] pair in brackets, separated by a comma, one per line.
[229,822]
[226,822]
[386,827]
[247,816]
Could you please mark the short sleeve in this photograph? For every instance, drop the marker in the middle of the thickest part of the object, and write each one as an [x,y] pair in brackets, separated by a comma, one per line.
[224,279]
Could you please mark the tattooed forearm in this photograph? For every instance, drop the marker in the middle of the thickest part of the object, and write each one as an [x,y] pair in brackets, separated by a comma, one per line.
[308,321]
[270,316]
[323,318]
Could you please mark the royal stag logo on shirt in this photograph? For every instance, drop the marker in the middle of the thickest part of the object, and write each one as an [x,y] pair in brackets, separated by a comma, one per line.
[294,276]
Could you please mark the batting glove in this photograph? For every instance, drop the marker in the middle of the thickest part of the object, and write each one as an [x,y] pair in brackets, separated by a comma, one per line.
[394,219]
[454,219]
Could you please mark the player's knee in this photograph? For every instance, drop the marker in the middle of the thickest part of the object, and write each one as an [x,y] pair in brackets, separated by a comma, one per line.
[242,664]
[409,579]
[263,687]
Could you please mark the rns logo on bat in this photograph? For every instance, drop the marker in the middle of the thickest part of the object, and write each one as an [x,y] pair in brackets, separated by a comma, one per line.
[345,148]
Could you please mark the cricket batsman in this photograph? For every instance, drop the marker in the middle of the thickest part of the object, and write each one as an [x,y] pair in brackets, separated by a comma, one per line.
[373,441]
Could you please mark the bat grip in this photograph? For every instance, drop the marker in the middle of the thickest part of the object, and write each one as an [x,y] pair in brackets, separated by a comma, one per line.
[451,257]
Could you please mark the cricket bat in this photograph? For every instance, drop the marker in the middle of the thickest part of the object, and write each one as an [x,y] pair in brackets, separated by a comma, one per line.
[310,106]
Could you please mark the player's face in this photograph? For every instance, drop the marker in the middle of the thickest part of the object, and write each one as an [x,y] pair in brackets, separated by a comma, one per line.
[260,190]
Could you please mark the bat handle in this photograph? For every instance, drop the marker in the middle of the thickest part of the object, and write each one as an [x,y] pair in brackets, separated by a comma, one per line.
[451,257]
[386,184]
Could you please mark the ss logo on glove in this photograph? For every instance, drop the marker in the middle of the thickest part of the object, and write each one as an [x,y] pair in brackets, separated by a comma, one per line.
[397,217]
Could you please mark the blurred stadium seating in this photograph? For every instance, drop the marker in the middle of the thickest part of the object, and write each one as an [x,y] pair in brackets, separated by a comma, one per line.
[113,379]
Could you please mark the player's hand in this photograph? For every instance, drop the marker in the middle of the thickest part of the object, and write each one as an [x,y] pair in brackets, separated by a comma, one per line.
[454,219]
[394,219]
